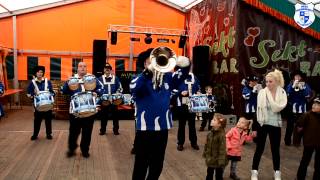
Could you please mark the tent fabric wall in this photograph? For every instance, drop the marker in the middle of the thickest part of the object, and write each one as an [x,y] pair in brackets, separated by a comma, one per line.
[72,28]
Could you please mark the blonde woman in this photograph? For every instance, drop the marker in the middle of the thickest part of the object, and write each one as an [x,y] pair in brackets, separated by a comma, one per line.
[271,100]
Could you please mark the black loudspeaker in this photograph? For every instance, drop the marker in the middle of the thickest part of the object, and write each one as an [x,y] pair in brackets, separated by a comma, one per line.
[114,37]
[182,41]
[201,58]
[99,56]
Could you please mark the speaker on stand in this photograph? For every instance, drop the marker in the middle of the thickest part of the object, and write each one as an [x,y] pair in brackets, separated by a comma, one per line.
[99,56]
[200,64]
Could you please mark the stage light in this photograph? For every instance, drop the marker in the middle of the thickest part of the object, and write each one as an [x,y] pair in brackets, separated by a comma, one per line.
[148,39]
[182,41]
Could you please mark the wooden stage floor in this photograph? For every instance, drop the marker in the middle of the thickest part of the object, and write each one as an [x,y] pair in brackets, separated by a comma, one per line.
[110,157]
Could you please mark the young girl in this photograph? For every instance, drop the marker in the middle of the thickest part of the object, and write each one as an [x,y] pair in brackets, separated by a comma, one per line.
[215,148]
[235,138]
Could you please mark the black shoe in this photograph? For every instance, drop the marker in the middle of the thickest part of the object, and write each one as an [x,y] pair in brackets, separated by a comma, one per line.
[201,129]
[49,137]
[85,154]
[70,153]
[102,133]
[180,147]
[33,138]
[195,146]
[234,177]
[133,151]
[116,133]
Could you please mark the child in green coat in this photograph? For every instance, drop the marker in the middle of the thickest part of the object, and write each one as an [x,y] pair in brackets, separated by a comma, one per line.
[215,148]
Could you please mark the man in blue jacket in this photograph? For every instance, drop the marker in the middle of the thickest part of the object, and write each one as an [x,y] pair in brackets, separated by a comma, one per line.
[77,124]
[153,118]
[112,85]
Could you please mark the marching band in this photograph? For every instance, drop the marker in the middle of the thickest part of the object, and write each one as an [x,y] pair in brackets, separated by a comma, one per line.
[166,80]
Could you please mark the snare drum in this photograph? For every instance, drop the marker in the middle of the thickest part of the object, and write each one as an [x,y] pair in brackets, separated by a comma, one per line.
[73,83]
[198,103]
[83,104]
[106,99]
[117,99]
[43,101]
[89,82]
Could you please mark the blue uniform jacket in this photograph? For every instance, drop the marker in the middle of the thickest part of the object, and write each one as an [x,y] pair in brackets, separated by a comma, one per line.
[298,99]
[250,98]
[183,86]
[111,84]
[32,90]
[152,106]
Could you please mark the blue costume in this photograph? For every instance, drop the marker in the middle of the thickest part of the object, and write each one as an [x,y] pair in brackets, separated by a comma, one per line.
[250,97]
[152,92]
[111,85]
[297,103]
[1,93]
[77,124]
[35,86]
[153,106]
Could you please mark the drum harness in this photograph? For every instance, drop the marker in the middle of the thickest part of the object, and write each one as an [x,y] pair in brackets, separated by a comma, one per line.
[108,83]
[36,88]
[189,84]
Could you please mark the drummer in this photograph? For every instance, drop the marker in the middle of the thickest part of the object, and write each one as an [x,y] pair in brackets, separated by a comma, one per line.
[40,83]
[189,87]
[83,125]
[112,85]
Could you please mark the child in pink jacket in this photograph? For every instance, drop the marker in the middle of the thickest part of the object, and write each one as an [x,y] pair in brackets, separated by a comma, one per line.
[235,138]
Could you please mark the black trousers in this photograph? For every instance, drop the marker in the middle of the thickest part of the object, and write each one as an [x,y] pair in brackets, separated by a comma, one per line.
[210,172]
[83,125]
[304,163]
[184,115]
[38,116]
[275,138]
[107,113]
[206,118]
[150,149]
[291,121]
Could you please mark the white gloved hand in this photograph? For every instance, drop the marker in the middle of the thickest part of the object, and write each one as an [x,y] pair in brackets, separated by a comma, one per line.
[150,68]
[183,61]
[295,84]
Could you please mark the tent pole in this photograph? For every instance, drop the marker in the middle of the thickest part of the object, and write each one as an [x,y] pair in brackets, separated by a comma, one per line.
[131,35]
[15,57]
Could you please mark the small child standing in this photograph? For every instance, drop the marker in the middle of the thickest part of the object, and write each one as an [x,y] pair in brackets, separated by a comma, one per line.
[215,148]
[235,138]
[207,116]
[308,126]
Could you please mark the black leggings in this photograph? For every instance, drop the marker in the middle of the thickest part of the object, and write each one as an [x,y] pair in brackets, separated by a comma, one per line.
[218,171]
[275,138]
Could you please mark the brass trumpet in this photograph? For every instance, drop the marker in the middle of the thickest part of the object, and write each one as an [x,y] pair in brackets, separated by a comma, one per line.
[163,59]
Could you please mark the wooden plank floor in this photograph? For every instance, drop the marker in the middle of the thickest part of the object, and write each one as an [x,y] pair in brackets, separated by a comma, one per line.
[110,157]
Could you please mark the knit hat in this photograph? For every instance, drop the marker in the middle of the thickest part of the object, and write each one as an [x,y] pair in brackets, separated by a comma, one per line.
[37,69]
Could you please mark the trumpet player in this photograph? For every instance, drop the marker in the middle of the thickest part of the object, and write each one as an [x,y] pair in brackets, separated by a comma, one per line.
[298,92]
[151,91]
[250,94]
